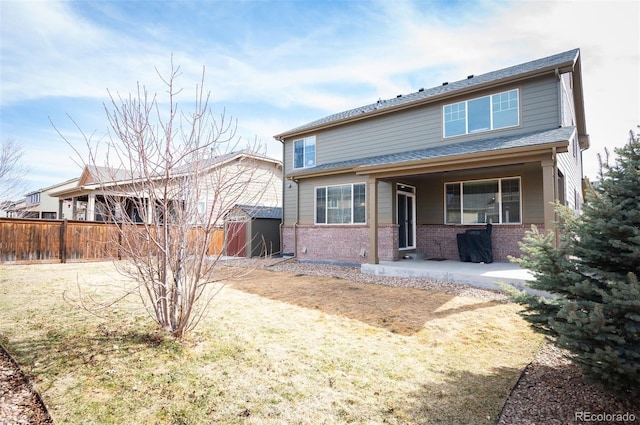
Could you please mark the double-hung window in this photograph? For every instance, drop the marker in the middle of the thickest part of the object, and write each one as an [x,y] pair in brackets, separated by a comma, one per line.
[483,201]
[485,113]
[304,152]
[344,204]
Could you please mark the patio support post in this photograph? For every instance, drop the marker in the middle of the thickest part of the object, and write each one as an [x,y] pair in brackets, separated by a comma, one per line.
[548,194]
[149,211]
[74,209]
[372,207]
[91,208]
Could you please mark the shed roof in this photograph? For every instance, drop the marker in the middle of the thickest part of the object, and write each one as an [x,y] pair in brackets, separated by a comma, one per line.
[261,211]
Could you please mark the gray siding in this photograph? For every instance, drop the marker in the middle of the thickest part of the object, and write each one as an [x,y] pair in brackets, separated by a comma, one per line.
[386,202]
[419,128]
[306,189]
[307,193]
[532,194]
[430,191]
[570,163]
[289,197]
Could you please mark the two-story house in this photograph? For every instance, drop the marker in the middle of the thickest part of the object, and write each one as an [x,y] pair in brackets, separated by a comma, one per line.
[42,204]
[409,173]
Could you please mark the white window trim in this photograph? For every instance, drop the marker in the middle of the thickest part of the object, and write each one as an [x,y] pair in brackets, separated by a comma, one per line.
[327,208]
[304,141]
[499,179]
[409,190]
[466,112]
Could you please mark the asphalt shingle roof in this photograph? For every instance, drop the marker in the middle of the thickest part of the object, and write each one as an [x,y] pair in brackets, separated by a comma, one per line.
[259,211]
[493,76]
[470,147]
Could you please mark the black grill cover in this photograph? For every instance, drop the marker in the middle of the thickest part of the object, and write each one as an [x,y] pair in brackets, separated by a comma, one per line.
[474,245]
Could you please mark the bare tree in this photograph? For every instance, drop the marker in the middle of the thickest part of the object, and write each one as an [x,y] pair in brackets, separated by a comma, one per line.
[168,180]
[12,170]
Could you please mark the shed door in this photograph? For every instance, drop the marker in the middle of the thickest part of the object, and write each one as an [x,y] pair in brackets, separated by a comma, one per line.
[236,238]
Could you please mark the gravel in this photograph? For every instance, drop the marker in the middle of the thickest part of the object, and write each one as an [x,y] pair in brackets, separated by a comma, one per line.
[551,390]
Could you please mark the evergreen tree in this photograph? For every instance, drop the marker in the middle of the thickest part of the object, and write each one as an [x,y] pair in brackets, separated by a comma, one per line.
[593,276]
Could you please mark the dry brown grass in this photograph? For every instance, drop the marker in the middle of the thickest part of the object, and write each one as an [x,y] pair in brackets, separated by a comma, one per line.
[275,348]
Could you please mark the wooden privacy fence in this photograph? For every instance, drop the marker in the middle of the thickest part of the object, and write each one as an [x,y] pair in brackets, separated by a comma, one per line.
[58,241]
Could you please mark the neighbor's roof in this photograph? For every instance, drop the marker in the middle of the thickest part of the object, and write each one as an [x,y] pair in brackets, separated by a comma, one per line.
[94,177]
[219,160]
[493,144]
[562,61]
[260,211]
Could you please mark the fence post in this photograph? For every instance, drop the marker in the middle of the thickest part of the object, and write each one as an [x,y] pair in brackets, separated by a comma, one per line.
[120,229]
[63,241]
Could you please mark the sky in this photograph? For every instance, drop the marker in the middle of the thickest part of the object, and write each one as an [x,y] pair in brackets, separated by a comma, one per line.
[271,66]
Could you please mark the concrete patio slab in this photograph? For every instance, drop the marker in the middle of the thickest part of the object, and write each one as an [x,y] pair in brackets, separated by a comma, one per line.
[480,275]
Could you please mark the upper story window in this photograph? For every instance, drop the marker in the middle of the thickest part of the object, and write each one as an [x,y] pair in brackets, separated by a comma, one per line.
[304,152]
[485,113]
[34,198]
[483,201]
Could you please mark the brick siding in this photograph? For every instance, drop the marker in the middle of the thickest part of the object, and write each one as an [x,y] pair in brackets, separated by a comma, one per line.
[346,243]
[440,240]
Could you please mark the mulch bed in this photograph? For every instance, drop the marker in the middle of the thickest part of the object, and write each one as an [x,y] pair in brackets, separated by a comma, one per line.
[19,402]
[552,391]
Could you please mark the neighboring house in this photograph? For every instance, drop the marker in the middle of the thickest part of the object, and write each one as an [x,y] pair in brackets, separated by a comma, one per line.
[406,175]
[42,204]
[245,177]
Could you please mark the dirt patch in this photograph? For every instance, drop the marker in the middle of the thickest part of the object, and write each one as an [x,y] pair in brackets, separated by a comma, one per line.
[400,310]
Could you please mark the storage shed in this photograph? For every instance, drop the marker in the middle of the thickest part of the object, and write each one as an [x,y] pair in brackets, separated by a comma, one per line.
[252,231]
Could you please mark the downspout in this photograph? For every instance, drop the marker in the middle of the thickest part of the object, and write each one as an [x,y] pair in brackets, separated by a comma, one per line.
[283,189]
[560,98]
[556,191]
[295,223]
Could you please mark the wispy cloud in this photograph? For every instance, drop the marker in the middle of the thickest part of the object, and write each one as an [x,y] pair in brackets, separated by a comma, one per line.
[278,64]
